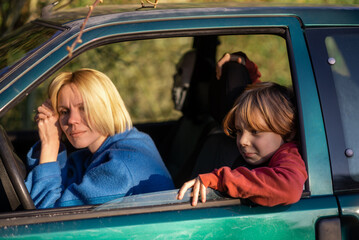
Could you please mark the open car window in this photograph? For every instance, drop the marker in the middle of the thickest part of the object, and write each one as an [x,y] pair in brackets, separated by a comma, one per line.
[143,71]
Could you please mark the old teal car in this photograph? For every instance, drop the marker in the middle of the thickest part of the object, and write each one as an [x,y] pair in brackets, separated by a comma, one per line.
[314,50]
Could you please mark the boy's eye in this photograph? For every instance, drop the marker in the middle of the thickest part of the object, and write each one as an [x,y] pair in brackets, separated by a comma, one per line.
[255,132]
[237,131]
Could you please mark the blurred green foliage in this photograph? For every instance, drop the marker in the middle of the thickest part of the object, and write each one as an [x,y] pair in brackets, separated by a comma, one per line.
[267,51]
[143,72]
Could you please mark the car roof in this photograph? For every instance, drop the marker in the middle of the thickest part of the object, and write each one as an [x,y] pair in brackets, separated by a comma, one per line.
[310,15]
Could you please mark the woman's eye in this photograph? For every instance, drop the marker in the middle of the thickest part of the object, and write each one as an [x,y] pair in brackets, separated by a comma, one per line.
[63,112]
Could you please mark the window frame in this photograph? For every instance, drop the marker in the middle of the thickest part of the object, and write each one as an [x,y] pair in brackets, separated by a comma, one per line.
[342,182]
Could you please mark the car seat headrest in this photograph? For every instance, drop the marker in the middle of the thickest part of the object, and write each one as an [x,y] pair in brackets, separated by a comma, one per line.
[190,91]
[234,79]
[182,78]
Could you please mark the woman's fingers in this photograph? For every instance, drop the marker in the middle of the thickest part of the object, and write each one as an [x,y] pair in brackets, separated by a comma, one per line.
[46,108]
[44,111]
[47,122]
[41,116]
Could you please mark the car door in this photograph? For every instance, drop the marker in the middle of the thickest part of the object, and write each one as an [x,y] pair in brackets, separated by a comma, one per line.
[220,218]
[334,52]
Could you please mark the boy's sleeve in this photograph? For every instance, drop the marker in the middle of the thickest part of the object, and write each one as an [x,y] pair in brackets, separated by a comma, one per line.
[279,183]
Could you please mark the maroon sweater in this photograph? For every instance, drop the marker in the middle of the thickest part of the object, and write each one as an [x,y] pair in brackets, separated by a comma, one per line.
[281,182]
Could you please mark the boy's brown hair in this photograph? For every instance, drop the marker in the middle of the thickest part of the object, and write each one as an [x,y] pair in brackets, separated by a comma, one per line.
[269,101]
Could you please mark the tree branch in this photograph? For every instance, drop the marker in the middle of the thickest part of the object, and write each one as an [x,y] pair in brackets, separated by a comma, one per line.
[78,39]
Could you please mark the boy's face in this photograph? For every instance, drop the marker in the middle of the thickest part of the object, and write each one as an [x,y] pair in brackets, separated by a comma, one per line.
[256,147]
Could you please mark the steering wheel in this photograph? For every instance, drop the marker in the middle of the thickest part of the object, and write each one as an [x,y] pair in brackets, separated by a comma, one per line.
[8,158]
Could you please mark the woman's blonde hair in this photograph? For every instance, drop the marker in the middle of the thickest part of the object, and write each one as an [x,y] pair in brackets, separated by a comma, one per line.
[266,100]
[105,110]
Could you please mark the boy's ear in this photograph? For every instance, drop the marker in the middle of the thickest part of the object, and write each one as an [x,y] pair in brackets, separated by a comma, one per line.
[290,137]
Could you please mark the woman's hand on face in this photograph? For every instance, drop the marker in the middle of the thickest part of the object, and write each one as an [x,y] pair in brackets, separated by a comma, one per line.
[198,189]
[49,131]
[47,122]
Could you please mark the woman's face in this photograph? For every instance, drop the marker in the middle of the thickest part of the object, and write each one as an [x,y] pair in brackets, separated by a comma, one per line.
[70,107]
[256,147]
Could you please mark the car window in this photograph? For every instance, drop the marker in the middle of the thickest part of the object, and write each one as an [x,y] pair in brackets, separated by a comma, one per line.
[22,42]
[271,57]
[343,51]
[143,71]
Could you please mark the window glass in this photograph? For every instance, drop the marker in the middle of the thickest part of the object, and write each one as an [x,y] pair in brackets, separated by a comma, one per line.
[143,73]
[269,52]
[141,70]
[343,51]
[21,42]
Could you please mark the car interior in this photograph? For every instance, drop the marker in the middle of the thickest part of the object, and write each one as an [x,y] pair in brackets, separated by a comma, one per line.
[187,130]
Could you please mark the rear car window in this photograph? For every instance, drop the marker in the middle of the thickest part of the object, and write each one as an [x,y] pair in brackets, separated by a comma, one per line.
[343,50]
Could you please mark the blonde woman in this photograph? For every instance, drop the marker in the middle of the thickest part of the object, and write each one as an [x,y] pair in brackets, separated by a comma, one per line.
[263,122]
[114,159]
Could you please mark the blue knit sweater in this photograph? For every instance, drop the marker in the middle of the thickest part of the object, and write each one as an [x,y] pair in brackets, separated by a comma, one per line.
[126,164]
